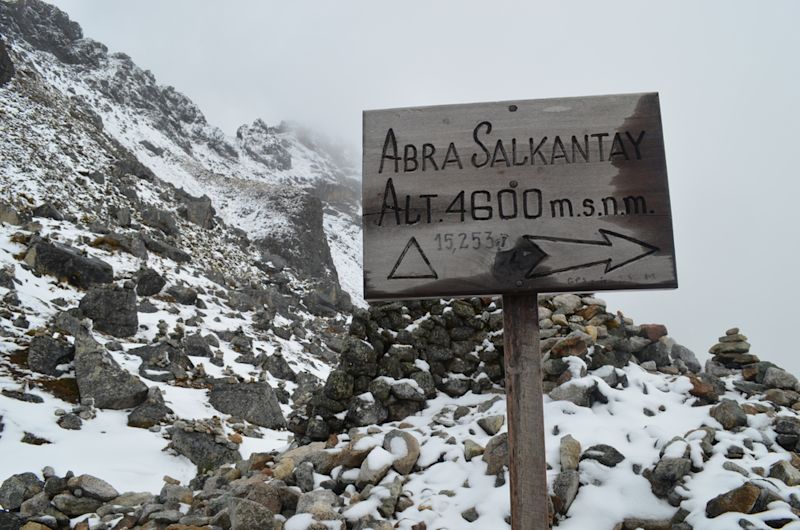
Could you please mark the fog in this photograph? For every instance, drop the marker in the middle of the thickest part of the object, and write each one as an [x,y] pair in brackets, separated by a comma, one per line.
[727,72]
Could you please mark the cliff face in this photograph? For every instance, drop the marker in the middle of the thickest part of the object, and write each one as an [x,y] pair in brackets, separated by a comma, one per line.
[169,135]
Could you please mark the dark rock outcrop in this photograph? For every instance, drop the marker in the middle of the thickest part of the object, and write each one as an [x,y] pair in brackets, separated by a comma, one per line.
[67,264]
[112,310]
[99,377]
[254,402]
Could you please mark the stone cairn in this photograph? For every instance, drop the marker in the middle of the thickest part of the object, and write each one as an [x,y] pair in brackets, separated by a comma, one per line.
[733,350]
[399,355]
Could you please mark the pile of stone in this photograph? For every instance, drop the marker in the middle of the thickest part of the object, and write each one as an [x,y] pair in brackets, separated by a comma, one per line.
[398,355]
[733,350]
[261,492]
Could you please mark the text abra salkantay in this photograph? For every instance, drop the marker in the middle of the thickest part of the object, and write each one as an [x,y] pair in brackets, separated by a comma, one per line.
[491,153]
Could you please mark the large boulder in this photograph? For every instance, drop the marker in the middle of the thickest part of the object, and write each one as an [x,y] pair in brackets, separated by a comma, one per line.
[160,219]
[149,282]
[101,378]
[67,264]
[45,354]
[18,488]
[165,249]
[202,449]
[151,412]
[254,402]
[197,210]
[112,310]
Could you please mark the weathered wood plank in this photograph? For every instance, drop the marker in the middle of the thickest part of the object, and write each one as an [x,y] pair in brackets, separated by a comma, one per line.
[525,414]
[553,195]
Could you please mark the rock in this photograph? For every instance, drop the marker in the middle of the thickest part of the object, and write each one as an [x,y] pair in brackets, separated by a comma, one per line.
[366,410]
[777,378]
[359,358]
[71,422]
[163,362]
[202,449]
[277,365]
[160,219]
[496,454]
[149,282]
[112,242]
[100,377]
[569,453]
[605,454]
[175,492]
[183,295]
[9,521]
[671,470]
[197,210]
[682,353]
[304,476]
[19,488]
[254,402]
[472,449]
[576,343]
[73,506]
[404,447]
[45,353]
[9,214]
[409,391]
[565,488]
[730,347]
[579,393]
[248,515]
[21,396]
[320,502]
[339,385]
[165,249]
[741,500]
[657,352]
[38,504]
[266,495]
[374,467]
[704,387]
[48,211]
[112,310]
[67,264]
[567,303]
[729,414]
[93,487]
[197,346]
[492,424]
[653,332]
[151,412]
[786,472]
[7,72]
[470,515]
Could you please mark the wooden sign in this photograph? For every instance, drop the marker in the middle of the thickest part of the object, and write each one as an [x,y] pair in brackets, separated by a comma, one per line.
[555,195]
[517,198]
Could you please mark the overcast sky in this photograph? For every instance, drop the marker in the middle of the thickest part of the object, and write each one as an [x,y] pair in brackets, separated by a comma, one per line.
[728,73]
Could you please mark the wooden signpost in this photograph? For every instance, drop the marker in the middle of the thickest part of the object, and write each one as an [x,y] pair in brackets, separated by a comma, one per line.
[517,198]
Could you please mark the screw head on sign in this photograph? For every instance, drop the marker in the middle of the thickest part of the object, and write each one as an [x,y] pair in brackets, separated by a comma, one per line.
[519,283]
[513,183]
[512,108]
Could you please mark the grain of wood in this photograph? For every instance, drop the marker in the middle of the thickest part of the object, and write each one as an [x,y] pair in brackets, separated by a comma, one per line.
[589,211]
[525,413]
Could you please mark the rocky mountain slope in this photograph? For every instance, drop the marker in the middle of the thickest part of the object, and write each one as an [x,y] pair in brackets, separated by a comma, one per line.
[178,349]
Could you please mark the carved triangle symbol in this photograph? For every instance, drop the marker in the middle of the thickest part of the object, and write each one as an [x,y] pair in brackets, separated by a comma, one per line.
[412,264]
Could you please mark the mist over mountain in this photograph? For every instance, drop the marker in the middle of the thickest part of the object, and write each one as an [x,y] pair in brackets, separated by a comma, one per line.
[183,343]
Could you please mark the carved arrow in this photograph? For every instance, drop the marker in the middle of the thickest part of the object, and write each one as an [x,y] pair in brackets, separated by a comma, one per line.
[563,254]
